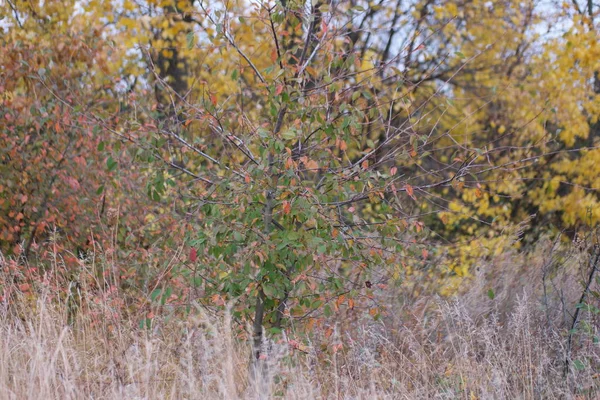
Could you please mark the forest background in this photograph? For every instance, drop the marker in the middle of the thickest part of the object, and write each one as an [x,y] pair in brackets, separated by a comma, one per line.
[309,171]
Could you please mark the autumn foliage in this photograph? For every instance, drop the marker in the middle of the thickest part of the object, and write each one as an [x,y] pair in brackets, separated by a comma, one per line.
[290,160]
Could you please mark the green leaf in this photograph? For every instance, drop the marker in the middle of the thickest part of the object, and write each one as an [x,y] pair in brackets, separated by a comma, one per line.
[166,295]
[289,134]
[491,294]
[579,365]
[190,38]
[269,291]
[111,164]
[292,236]
[155,293]
[263,133]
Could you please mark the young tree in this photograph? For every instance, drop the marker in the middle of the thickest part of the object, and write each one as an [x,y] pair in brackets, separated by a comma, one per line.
[299,178]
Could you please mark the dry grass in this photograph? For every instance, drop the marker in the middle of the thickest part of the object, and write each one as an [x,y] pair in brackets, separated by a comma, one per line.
[42,358]
[470,347]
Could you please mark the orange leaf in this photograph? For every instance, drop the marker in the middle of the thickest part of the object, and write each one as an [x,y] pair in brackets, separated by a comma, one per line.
[279,90]
[217,300]
[409,189]
[287,207]
[343,145]
[312,164]
[419,226]
[311,71]
[323,27]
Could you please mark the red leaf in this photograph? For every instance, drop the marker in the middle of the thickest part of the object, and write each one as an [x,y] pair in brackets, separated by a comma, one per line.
[193,255]
[279,90]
